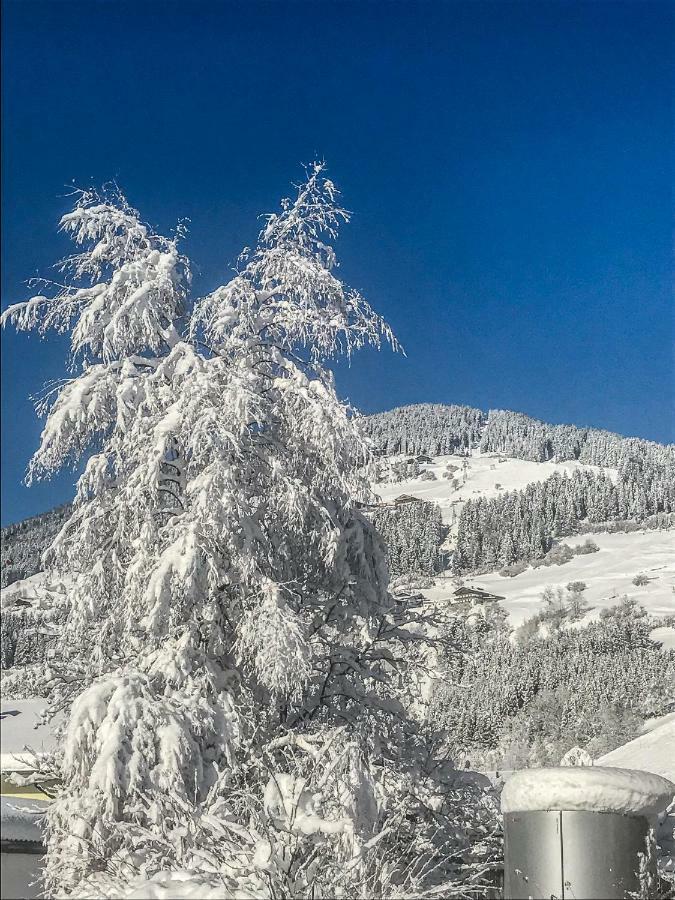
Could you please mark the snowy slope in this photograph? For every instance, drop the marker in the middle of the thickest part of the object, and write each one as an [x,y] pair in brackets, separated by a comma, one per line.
[653,751]
[608,574]
[484,472]
[40,591]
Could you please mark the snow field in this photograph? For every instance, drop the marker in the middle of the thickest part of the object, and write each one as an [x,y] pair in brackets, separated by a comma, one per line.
[484,471]
[608,573]
[653,751]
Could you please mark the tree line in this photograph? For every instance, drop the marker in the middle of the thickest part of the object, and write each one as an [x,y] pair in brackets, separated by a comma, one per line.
[522,525]
[438,430]
[507,703]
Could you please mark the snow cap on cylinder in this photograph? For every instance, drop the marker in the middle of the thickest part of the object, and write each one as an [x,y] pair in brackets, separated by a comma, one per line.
[587,788]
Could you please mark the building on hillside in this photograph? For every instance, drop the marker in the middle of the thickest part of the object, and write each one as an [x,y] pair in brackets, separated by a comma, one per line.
[475,595]
[407,498]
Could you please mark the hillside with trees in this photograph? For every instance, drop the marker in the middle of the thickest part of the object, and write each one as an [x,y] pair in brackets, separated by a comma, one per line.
[438,430]
[522,525]
[22,544]
[506,704]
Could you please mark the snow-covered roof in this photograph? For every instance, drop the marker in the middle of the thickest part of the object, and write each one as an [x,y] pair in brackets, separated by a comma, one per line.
[653,751]
[21,820]
[22,739]
[475,593]
[589,788]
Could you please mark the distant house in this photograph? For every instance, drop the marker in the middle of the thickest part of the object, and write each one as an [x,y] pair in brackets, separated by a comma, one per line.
[475,595]
[423,459]
[407,498]
[368,507]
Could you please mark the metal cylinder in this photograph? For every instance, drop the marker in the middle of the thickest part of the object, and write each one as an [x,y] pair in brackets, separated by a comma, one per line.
[563,853]
[587,849]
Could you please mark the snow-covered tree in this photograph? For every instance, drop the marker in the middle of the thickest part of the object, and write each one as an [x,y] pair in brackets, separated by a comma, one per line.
[529,701]
[413,534]
[229,650]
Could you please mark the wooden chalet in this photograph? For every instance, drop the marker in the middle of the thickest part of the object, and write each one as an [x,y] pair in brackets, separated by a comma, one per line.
[475,595]
[406,498]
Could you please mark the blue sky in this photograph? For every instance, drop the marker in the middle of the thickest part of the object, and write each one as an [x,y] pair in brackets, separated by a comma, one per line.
[509,167]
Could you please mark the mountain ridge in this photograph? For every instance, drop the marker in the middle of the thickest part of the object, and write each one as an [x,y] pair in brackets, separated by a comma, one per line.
[431,429]
[440,429]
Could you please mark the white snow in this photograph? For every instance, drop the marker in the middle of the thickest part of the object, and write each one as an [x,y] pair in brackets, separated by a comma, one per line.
[590,788]
[42,591]
[291,807]
[21,820]
[22,738]
[653,751]
[29,589]
[651,724]
[177,885]
[483,472]
[608,575]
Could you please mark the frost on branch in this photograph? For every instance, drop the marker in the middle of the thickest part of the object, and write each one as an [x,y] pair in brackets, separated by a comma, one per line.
[271,639]
[286,293]
[124,291]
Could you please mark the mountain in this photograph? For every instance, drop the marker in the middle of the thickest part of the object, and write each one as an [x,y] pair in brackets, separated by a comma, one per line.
[23,543]
[569,527]
[436,430]
[506,489]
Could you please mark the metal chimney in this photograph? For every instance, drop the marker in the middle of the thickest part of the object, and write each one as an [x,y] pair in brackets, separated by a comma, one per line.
[581,832]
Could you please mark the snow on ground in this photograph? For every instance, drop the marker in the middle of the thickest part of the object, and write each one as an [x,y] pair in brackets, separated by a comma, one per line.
[651,724]
[608,574]
[653,751]
[41,591]
[26,589]
[484,472]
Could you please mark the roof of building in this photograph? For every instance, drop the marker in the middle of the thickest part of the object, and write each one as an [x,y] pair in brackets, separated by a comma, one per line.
[23,739]
[473,593]
[22,820]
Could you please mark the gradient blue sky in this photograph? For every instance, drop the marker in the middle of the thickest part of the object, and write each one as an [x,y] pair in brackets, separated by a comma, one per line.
[509,167]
